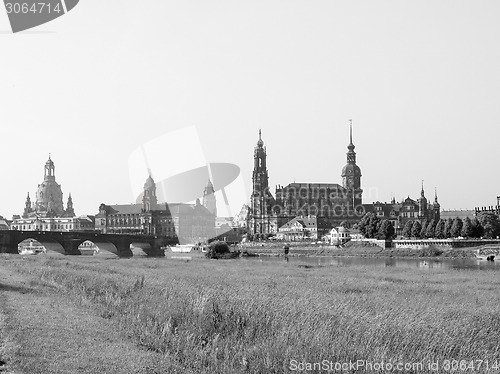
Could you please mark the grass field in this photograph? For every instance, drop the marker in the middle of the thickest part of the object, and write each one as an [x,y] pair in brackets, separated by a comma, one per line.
[209,316]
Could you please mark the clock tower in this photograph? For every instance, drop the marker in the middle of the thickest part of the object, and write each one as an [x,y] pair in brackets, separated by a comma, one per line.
[351,176]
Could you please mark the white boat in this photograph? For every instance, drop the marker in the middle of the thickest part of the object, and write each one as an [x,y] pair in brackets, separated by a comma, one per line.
[182,248]
[31,249]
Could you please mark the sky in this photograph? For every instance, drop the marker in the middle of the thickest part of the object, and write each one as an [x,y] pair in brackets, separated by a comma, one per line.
[420,81]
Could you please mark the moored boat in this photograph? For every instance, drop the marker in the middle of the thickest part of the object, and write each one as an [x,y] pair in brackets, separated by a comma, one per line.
[182,248]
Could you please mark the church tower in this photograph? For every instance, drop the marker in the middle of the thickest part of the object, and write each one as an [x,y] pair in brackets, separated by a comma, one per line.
[209,201]
[351,175]
[70,211]
[149,200]
[27,207]
[436,207]
[261,200]
[422,204]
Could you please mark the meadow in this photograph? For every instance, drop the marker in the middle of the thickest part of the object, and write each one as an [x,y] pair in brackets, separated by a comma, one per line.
[234,316]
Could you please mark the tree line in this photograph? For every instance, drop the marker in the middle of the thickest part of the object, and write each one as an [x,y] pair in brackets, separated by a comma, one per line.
[484,225]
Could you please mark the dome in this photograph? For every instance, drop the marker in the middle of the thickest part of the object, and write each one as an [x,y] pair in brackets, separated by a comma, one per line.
[351,169]
[150,183]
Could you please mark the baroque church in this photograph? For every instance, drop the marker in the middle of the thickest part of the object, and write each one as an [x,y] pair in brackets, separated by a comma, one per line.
[47,213]
[49,197]
[330,204]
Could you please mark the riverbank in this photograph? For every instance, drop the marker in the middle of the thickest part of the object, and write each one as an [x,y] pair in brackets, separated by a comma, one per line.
[359,250]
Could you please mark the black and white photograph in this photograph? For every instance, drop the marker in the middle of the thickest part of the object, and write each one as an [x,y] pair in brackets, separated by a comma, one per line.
[233,186]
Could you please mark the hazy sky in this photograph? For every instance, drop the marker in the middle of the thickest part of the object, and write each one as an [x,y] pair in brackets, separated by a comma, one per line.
[421,81]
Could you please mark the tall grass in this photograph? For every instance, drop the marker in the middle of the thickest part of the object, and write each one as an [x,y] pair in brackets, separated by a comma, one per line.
[252,317]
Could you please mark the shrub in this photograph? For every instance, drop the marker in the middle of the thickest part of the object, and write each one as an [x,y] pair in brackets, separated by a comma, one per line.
[216,249]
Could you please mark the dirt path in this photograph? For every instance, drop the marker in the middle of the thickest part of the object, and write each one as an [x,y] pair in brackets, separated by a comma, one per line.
[42,332]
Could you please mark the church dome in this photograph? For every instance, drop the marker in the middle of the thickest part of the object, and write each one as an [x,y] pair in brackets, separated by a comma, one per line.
[150,183]
[351,169]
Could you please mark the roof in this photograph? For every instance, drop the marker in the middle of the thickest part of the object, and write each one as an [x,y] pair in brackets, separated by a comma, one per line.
[340,229]
[125,209]
[4,225]
[462,214]
[313,185]
[174,209]
[303,221]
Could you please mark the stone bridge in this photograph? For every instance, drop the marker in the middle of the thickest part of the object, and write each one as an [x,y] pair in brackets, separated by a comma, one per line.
[67,243]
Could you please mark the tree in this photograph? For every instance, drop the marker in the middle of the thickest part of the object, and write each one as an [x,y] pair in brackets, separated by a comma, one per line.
[456,228]
[467,228]
[490,223]
[477,228]
[407,229]
[424,229]
[386,230]
[369,225]
[431,228]
[416,229]
[439,232]
[447,228]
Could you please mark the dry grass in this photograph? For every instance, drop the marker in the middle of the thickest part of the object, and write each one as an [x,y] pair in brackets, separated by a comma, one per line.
[256,317]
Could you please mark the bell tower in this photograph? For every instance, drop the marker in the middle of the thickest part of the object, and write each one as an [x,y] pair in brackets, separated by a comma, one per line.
[436,206]
[422,204]
[209,200]
[70,211]
[149,200]
[261,200]
[27,207]
[351,175]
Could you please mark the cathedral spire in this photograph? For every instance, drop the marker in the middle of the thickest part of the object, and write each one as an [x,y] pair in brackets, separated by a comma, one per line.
[351,155]
[260,142]
[350,132]
[422,192]
[435,194]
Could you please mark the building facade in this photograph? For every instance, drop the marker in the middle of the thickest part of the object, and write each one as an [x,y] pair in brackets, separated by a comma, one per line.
[64,224]
[187,223]
[398,213]
[299,228]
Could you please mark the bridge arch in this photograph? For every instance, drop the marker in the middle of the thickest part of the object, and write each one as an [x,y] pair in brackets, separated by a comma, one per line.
[32,245]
